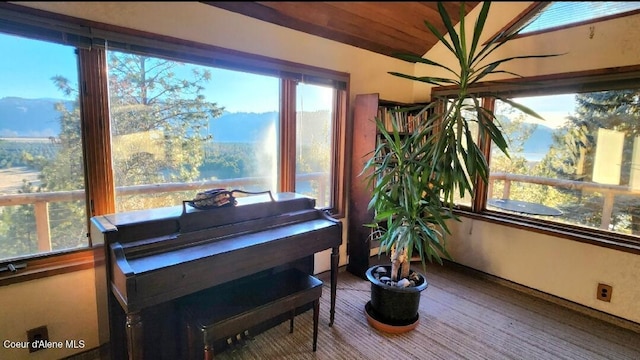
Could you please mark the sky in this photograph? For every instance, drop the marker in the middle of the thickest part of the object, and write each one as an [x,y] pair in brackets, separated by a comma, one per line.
[236,91]
[232,89]
[561,13]
[554,109]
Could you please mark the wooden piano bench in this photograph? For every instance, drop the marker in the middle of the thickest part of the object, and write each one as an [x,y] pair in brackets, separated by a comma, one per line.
[229,309]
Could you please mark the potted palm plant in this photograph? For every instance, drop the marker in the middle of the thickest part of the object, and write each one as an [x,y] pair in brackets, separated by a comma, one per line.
[416,178]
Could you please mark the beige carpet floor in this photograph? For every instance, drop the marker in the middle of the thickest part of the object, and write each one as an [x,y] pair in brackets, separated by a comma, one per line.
[461,317]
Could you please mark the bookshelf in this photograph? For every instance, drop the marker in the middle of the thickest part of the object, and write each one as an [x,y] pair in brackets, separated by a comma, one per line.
[362,251]
[405,122]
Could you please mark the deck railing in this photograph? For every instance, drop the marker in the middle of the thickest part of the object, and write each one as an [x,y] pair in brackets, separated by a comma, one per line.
[41,200]
[609,192]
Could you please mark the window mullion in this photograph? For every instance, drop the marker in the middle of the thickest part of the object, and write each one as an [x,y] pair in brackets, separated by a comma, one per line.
[338,198]
[99,183]
[287,154]
[480,192]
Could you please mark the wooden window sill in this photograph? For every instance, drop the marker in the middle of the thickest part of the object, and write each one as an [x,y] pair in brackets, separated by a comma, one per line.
[48,265]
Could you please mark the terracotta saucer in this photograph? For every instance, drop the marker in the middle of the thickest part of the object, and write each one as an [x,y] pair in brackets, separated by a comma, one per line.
[391,329]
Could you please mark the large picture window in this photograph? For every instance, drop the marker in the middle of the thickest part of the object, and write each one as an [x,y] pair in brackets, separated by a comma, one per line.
[584,159]
[179,123]
[575,174]
[156,122]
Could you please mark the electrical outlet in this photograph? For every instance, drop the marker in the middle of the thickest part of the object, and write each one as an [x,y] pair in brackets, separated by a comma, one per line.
[604,292]
[37,334]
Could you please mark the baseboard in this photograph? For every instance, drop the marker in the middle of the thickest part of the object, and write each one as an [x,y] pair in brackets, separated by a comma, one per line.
[598,314]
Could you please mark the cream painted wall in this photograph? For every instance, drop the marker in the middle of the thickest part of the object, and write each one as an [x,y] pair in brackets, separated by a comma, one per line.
[561,267]
[596,46]
[557,266]
[64,303]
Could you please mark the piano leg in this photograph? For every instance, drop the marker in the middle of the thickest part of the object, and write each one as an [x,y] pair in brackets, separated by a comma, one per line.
[335,257]
[135,341]
[316,310]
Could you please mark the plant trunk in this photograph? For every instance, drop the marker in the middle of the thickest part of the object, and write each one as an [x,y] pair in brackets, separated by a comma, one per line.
[399,264]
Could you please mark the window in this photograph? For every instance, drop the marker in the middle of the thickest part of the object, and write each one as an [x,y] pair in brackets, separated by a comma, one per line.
[175,122]
[558,14]
[314,129]
[582,163]
[183,117]
[584,159]
[470,114]
[42,200]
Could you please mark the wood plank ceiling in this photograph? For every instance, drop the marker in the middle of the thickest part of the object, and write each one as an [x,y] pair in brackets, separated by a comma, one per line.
[383,27]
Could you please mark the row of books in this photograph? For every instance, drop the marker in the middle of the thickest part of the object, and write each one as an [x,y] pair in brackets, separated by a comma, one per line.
[405,121]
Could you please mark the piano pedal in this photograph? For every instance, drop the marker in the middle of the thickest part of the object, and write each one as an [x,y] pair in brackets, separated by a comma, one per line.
[240,343]
[235,343]
[247,335]
[231,344]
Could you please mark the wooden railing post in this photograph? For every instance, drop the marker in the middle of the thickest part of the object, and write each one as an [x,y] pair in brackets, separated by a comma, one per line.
[43,228]
[506,192]
[322,192]
[490,187]
[607,210]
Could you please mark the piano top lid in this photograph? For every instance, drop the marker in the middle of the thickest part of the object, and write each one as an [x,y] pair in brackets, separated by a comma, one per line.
[181,218]
[278,197]
[247,208]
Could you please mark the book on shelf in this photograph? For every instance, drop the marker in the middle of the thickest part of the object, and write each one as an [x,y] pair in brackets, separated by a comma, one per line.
[406,122]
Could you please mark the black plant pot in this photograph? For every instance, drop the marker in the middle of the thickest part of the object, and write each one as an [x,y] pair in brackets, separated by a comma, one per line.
[391,305]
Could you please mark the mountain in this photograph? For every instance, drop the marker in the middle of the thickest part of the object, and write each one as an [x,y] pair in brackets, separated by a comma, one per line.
[252,127]
[242,126]
[540,140]
[38,118]
[29,117]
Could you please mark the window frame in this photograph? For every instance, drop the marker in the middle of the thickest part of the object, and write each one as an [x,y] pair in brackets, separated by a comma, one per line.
[89,39]
[531,12]
[581,81]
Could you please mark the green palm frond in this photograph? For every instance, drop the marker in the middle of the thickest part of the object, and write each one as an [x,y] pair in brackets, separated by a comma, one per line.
[416,178]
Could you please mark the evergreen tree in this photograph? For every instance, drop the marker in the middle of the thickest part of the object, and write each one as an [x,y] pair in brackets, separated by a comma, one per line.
[146,95]
[149,101]
[573,153]
[158,123]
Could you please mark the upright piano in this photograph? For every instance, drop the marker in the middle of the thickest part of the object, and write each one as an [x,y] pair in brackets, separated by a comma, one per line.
[145,260]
